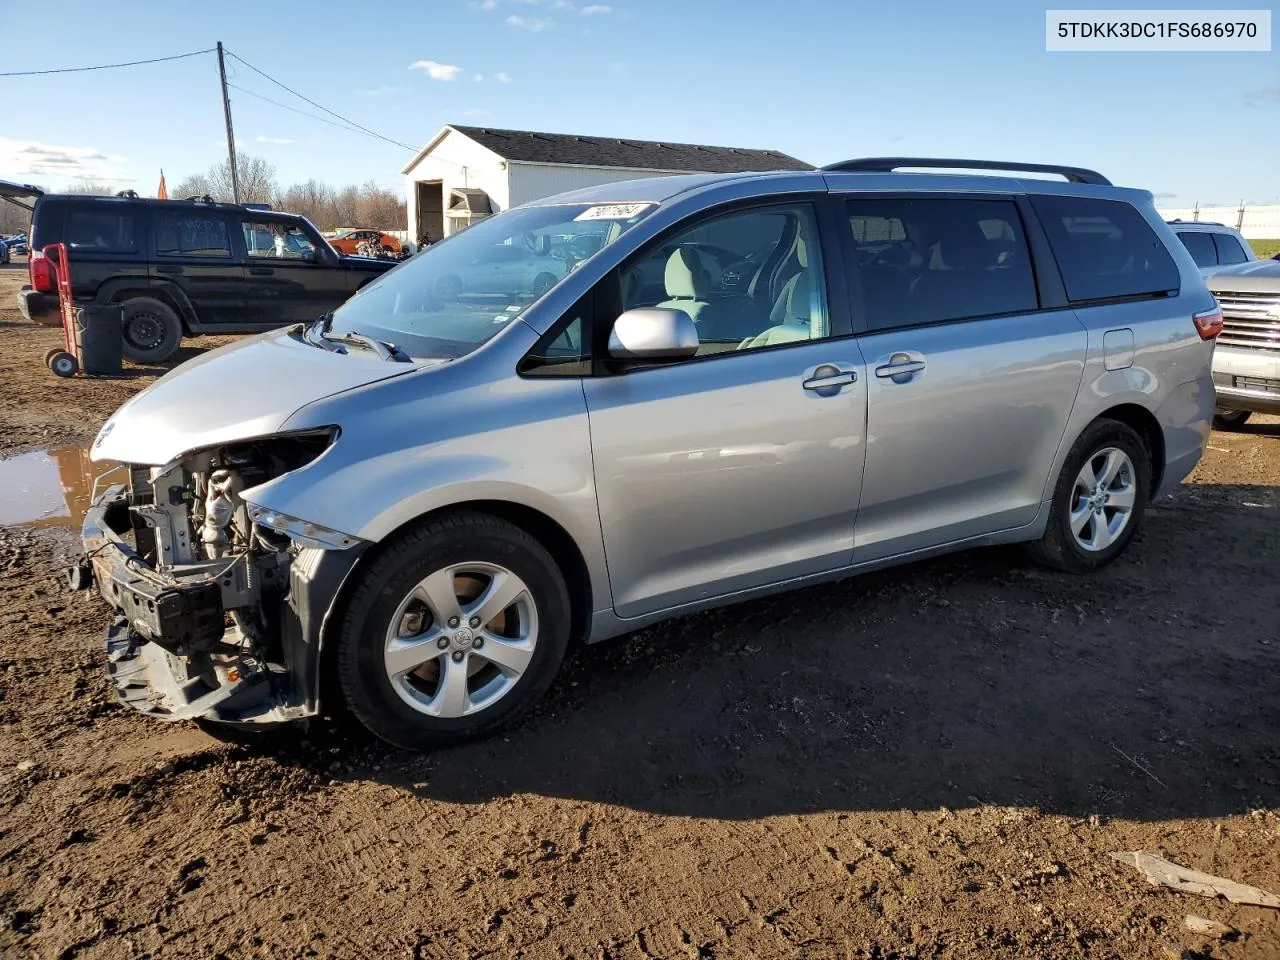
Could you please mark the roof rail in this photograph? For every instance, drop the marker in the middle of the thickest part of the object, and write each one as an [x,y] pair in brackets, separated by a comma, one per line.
[891,164]
[1192,223]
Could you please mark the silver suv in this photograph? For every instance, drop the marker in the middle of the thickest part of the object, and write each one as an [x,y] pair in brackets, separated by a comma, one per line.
[1246,363]
[1213,246]
[737,385]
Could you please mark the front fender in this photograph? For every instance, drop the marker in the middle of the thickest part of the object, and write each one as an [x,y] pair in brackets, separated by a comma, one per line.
[441,439]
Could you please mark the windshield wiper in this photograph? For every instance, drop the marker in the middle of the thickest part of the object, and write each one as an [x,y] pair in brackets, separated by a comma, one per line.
[384,350]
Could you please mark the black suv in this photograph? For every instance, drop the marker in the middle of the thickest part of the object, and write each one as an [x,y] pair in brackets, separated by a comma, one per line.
[187,267]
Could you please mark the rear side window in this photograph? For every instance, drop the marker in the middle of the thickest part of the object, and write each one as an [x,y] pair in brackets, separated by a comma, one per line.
[102,231]
[191,235]
[932,260]
[1201,248]
[1229,249]
[1105,249]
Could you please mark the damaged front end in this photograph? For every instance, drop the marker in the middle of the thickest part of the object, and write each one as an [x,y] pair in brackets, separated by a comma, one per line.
[221,602]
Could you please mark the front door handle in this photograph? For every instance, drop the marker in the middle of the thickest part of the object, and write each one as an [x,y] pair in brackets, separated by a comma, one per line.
[826,377]
[900,368]
[261,271]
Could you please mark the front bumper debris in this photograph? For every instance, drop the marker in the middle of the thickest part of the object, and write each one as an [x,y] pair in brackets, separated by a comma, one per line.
[173,653]
[154,681]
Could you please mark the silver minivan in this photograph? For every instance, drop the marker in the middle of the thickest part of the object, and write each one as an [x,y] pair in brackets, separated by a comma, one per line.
[738,384]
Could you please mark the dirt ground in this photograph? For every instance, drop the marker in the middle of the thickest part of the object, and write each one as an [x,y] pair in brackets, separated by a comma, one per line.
[934,761]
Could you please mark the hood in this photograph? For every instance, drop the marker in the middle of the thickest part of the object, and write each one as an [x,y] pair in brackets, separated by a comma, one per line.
[245,389]
[1260,276]
[365,263]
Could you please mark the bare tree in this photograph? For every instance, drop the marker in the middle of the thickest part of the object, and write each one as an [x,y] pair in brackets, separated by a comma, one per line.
[90,189]
[196,185]
[329,208]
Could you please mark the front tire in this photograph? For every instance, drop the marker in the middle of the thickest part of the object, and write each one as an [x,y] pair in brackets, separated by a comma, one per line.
[1224,419]
[455,630]
[151,330]
[1098,501]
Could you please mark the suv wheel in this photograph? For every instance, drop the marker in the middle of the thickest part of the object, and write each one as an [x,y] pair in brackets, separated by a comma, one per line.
[1098,501]
[456,629]
[151,330]
[1225,419]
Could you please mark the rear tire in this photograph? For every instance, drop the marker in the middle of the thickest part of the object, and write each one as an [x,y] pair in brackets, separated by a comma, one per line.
[1224,419]
[151,330]
[396,655]
[1091,523]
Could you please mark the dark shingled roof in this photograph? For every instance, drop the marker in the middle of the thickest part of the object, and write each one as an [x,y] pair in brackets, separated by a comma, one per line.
[531,147]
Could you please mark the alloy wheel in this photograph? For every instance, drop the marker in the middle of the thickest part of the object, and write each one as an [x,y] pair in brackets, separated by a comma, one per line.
[461,639]
[1102,499]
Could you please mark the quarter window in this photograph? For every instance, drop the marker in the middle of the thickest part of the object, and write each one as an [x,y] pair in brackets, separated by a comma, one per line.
[749,279]
[1105,249]
[194,236]
[1201,248]
[927,261]
[565,349]
[1229,249]
[99,231]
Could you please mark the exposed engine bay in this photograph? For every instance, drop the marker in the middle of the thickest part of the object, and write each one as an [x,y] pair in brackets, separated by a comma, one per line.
[206,581]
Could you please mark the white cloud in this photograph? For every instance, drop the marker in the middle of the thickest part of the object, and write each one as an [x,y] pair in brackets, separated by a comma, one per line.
[536,24]
[595,8]
[502,76]
[436,71]
[1263,97]
[278,141]
[30,158]
[478,78]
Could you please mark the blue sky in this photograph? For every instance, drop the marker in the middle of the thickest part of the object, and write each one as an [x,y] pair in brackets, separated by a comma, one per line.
[820,79]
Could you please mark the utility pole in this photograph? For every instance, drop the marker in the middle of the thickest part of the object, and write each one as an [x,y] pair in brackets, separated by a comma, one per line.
[231,137]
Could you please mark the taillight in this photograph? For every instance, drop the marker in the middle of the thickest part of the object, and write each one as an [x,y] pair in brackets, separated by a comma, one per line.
[1208,323]
[39,270]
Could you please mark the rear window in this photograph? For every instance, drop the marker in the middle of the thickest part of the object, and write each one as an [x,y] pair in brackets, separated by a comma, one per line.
[1201,248]
[1105,249]
[1229,249]
[101,231]
[191,235]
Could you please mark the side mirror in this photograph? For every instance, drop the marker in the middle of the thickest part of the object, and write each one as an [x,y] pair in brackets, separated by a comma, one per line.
[653,333]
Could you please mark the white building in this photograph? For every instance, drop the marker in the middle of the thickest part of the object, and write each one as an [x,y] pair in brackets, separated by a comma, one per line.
[464,174]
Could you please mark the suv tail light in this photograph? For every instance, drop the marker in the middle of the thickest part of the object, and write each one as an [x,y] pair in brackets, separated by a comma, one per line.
[1208,323]
[38,269]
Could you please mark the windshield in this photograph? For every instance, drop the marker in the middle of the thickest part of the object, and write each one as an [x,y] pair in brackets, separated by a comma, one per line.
[452,297]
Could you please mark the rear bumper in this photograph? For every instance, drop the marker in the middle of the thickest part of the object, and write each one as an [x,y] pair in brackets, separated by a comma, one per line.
[1185,420]
[41,308]
[169,654]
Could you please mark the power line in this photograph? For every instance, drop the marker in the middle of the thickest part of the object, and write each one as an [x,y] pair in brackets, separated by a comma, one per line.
[104,66]
[339,116]
[285,106]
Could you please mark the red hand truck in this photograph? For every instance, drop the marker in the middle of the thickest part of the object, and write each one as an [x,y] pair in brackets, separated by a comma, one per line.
[64,362]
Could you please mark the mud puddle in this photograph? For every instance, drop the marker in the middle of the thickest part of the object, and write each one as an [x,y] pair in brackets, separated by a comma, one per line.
[47,488]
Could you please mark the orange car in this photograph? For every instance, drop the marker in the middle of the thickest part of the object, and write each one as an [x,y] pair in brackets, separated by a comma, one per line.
[349,240]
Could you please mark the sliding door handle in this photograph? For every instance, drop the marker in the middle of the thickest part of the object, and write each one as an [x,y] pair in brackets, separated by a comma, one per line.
[900,368]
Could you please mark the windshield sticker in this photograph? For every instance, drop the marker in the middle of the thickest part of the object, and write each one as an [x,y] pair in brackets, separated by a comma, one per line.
[613,211]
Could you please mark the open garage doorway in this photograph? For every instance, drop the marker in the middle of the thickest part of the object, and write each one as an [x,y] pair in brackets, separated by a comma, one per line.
[430,207]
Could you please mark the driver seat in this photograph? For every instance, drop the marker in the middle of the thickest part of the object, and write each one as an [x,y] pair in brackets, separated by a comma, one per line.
[687,282]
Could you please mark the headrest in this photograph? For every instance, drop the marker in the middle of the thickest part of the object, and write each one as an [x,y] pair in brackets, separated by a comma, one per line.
[802,252]
[686,276]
